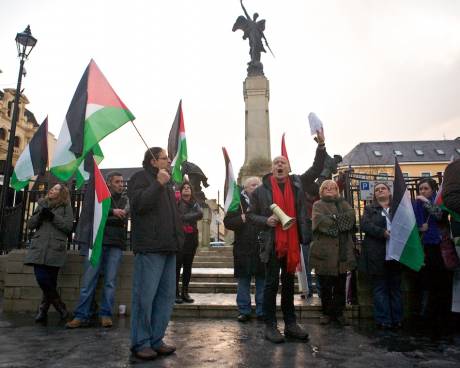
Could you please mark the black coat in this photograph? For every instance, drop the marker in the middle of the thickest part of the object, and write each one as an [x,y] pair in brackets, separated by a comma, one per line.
[245,246]
[262,198]
[451,186]
[115,227]
[156,226]
[373,249]
[191,213]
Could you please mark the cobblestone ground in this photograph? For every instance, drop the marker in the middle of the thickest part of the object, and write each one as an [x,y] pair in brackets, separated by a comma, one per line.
[220,343]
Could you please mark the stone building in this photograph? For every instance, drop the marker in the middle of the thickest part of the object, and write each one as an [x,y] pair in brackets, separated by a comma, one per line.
[25,128]
[416,158]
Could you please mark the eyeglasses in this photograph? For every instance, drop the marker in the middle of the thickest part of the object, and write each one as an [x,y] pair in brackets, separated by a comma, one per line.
[163,158]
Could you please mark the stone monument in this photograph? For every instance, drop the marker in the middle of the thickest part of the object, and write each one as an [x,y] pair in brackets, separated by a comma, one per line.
[256,94]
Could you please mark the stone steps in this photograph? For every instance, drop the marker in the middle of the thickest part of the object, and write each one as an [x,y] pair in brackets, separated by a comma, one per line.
[223,305]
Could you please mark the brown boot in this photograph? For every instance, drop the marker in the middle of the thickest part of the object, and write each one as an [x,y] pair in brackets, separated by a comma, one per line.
[146,354]
[42,314]
[59,305]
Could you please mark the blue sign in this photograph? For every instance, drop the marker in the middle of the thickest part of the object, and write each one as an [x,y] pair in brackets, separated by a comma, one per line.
[364,185]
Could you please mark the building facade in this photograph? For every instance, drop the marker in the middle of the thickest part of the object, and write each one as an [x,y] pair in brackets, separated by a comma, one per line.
[416,158]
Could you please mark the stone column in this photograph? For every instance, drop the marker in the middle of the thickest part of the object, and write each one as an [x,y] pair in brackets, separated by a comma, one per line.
[257,160]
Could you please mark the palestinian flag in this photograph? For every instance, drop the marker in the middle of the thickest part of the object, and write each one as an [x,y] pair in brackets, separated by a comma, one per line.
[81,174]
[284,150]
[177,145]
[33,160]
[231,189]
[94,213]
[95,112]
[404,245]
[439,201]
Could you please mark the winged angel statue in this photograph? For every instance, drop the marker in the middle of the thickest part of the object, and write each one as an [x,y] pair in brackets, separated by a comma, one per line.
[254,30]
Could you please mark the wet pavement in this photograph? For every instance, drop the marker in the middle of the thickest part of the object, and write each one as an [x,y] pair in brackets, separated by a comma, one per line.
[220,343]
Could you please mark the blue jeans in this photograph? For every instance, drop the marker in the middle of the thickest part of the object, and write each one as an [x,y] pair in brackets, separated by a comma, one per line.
[388,308]
[153,295]
[243,295]
[111,258]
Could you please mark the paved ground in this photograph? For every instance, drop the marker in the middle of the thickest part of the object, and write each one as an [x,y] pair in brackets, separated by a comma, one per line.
[220,343]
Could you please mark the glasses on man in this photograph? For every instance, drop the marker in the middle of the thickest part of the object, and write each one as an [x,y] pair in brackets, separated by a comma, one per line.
[163,158]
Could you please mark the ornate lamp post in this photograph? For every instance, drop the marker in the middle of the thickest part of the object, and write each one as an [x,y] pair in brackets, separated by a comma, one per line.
[25,42]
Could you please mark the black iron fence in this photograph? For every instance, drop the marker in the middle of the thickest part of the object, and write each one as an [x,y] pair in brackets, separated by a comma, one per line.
[16,233]
[358,198]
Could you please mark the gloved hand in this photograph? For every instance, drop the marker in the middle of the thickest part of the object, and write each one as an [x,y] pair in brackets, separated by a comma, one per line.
[46,213]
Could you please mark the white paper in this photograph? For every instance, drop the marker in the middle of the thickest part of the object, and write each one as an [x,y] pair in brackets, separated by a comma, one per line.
[316,125]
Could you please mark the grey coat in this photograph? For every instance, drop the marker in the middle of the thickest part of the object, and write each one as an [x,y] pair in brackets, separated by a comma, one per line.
[49,242]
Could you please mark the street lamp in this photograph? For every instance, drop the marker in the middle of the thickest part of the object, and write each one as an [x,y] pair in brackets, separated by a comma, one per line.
[25,42]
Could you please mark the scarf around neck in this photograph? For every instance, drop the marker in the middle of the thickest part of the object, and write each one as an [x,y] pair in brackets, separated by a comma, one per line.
[286,241]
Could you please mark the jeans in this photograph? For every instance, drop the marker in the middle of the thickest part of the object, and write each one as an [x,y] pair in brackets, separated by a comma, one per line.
[243,295]
[111,258]
[388,309]
[46,277]
[272,279]
[153,295]
[306,256]
[333,294]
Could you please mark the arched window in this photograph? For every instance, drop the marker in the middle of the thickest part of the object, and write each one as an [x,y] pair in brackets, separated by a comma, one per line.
[10,108]
[17,141]
[2,134]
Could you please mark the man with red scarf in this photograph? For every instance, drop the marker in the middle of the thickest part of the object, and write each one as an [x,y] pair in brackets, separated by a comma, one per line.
[280,249]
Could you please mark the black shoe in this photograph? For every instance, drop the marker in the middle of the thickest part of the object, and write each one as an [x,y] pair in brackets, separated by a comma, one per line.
[244,318]
[261,318]
[185,295]
[42,314]
[295,331]
[342,321]
[273,334]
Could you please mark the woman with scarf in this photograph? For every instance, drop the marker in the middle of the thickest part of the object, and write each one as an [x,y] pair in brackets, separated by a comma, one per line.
[331,252]
[52,221]
[191,213]
[385,274]
[435,280]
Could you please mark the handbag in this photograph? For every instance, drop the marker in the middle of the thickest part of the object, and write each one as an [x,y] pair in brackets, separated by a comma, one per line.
[448,253]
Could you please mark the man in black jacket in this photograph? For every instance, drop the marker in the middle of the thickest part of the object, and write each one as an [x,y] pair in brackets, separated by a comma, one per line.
[280,249]
[156,236]
[113,244]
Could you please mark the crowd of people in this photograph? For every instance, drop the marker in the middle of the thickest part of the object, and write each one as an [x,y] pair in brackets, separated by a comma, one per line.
[164,240]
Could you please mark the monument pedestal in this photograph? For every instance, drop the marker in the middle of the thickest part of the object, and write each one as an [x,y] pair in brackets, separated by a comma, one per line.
[257,160]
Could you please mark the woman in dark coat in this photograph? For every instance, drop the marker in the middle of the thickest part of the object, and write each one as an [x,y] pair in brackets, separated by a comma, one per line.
[332,249]
[191,213]
[384,272]
[246,255]
[52,221]
[435,281]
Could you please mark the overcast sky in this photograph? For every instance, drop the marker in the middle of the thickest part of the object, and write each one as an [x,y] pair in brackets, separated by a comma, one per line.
[372,70]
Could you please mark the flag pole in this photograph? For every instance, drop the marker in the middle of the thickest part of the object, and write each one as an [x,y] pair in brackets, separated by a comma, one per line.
[143,140]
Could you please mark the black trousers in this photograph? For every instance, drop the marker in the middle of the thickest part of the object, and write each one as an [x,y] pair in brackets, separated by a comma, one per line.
[272,279]
[333,294]
[46,277]
[185,261]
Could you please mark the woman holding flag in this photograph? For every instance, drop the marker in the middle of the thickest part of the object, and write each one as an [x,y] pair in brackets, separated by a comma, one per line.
[52,221]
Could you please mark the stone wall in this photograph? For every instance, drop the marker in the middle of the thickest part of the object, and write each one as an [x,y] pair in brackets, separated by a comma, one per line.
[21,292]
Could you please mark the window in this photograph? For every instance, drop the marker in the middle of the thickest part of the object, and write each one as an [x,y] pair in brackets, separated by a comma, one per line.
[425,174]
[382,176]
[397,153]
[378,153]
[419,152]
[17,141]
[2,134]
[406,175]
[440,152]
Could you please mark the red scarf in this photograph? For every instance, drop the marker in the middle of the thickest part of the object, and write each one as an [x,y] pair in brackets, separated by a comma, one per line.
[286,241]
